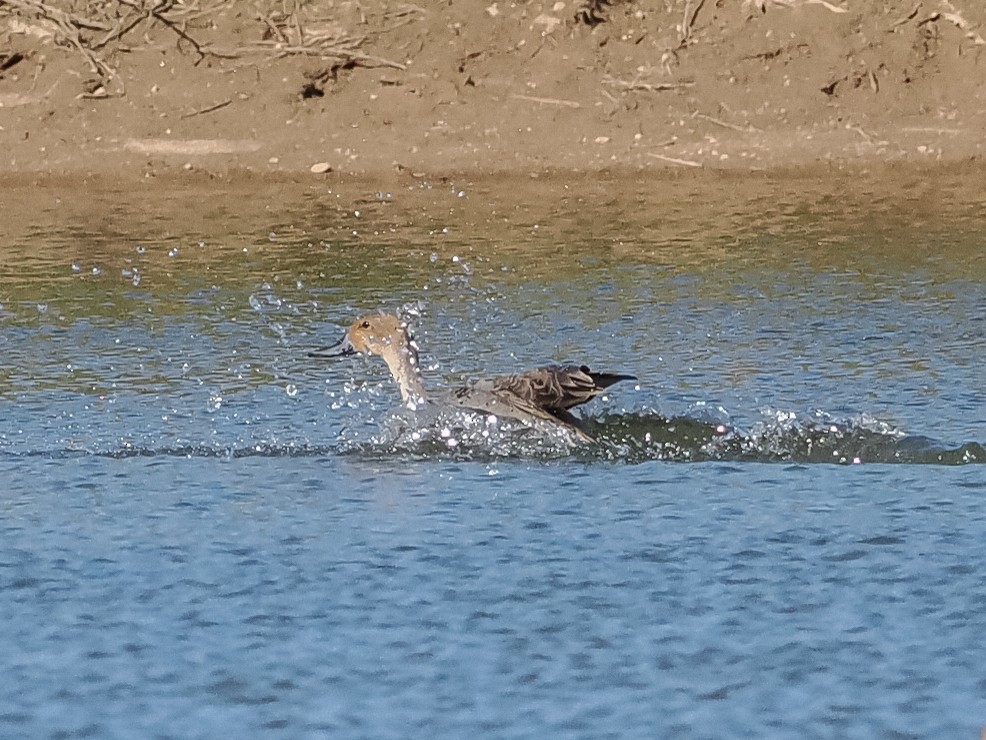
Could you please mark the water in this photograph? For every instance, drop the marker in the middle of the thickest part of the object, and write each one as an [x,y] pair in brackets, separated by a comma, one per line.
[206,532]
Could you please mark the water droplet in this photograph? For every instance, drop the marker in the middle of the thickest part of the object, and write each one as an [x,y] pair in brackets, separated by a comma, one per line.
[291,389]
[215,401]
[254,302]
[42,308]
[76,267]
[173,252]
[140,250]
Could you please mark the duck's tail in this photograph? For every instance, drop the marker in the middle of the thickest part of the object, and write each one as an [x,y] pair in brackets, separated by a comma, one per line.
[605,380]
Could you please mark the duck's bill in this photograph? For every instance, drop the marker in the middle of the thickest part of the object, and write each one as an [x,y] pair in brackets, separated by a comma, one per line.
[340,349]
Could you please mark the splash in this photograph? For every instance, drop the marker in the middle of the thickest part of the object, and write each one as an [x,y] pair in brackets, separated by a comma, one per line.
[636,437]
[628,437]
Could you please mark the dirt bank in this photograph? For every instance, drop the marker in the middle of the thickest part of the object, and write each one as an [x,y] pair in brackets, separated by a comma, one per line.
[148,87]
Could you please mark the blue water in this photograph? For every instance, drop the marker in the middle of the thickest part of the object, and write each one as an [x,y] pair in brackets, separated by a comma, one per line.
[203,532]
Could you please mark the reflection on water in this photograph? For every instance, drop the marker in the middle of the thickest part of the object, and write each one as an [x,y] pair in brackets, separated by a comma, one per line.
[207,533]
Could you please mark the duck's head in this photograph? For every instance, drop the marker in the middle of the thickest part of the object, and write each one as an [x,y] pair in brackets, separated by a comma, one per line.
[385,335]
[380,334]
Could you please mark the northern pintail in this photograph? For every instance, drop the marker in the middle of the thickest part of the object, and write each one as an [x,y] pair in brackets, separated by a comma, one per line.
[545,393]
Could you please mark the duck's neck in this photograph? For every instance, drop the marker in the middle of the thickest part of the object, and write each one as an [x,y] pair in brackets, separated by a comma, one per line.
[402,359]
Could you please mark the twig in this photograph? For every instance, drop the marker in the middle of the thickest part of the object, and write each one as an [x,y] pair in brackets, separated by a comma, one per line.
[547,101]
[869,139]
[774,53]
[761,5]
[366,60]
[290,34]
[158,11]
[688,20]
[906,18]
[59,17]
[610,97]
[275,29]
[632,85]
[67,28]
[208,109]
[961,23]
[675,160]
[827,6]
[744,129]
[121,29]
[932,130]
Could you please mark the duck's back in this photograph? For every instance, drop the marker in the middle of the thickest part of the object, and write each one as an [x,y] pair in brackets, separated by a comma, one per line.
[544,393]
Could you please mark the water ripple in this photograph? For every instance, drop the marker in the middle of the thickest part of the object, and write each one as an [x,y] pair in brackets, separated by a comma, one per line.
[630,438]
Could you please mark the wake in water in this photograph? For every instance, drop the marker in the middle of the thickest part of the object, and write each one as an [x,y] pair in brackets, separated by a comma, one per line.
[636,437]
[779,437]
[628,437]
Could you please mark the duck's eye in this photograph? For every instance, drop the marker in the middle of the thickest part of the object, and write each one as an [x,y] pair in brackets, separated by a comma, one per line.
[365,325]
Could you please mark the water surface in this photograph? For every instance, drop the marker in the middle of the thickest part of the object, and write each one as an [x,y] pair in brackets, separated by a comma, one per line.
[205,531]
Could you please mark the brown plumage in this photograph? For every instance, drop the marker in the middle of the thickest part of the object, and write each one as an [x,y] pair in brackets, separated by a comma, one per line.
[546,393]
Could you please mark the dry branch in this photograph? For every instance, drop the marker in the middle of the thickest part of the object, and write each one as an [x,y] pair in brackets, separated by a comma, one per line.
[65,28]
[674,160]
[547,101]
[637,85]
[208,109]
[743,129]
[691,13]
[761,5]
[290,32]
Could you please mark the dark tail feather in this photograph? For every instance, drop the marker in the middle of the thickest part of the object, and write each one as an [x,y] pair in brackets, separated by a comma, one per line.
[605,380]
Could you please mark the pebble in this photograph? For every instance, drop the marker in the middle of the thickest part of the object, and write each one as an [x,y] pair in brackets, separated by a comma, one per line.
[320,168]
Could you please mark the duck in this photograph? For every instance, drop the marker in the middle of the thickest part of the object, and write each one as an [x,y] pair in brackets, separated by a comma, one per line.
[543,394]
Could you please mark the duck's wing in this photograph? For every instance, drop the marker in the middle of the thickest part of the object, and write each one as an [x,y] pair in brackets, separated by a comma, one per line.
[557,388]
[486,397]
[545,393]
[492,397]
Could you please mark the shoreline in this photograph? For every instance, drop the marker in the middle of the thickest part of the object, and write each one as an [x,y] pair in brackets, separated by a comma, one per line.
[539,89]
